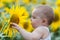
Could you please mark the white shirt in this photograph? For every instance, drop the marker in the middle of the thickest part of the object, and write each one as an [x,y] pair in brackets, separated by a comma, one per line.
[49,36]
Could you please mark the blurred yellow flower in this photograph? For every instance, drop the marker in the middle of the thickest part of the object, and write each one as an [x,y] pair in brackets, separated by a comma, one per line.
[1,4]
[30,28]
[27,25]
[43,2]
[58,3]
[56,22]
[34,1]
[6,9]
[26,1]
[9,1]
[16,1]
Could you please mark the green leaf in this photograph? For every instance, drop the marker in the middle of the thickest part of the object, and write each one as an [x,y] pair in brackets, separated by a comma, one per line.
[7,15]
[4,26]
[6,38]
[18,37]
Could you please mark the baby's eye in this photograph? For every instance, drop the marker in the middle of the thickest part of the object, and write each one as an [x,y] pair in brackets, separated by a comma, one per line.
[34,17]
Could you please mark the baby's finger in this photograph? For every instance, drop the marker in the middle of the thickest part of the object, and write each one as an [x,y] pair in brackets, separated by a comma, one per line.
[11,24]
[14,24]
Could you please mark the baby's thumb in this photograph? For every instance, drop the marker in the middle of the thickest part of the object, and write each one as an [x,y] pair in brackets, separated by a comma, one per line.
[13,24]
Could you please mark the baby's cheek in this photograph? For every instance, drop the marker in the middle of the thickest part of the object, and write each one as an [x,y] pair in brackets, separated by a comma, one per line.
[33,22]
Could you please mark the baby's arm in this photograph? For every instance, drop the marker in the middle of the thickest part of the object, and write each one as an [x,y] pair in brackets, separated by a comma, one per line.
[35,35]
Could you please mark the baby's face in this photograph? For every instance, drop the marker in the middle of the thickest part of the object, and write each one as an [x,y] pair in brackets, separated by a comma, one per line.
[35,19]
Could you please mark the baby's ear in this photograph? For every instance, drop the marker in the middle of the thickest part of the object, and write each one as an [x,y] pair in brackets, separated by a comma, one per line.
[44,21]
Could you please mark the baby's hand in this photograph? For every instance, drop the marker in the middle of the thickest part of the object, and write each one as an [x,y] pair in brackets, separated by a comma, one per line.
[14,25]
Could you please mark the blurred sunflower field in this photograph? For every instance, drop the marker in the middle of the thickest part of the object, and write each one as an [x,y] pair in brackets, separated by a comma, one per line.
[19,11]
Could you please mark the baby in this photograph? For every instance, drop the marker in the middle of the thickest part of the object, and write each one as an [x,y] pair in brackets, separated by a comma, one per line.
[42,17]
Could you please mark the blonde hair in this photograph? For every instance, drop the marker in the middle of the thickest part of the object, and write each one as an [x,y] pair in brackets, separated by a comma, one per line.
[45,11]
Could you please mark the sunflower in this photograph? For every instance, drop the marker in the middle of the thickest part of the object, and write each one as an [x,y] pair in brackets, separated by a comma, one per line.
[27,25]
[1,5]
[9,1]
[16,1]
[34,1]
[19,15]
[56,23]
[26,1]
[43,2]
[58,3]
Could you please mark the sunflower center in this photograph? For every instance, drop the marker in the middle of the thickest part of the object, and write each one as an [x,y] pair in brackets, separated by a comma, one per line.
[56,18]
[58,5]
[25,25]
[15,19]
[43,3]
